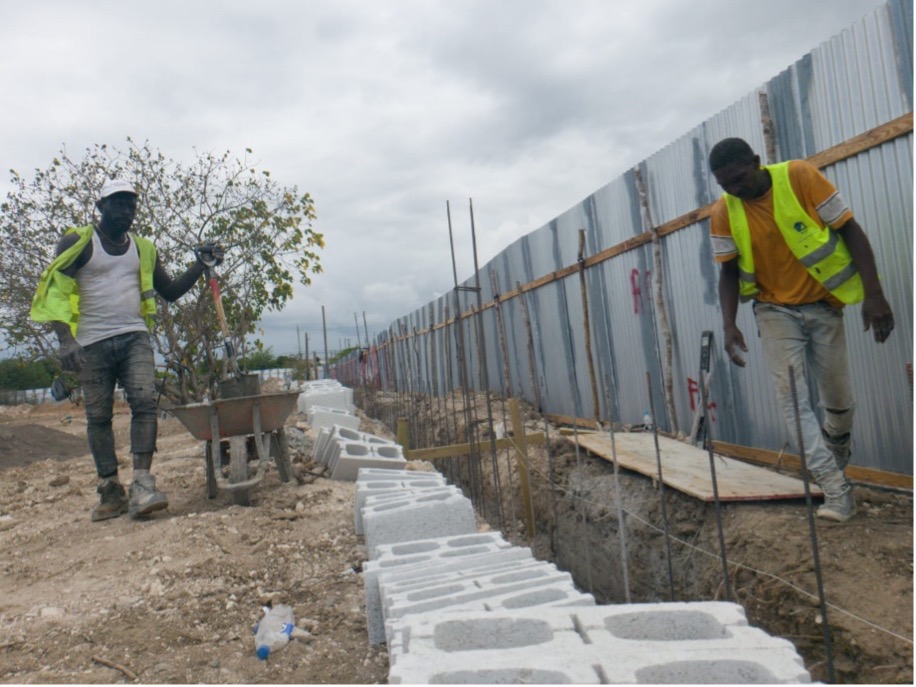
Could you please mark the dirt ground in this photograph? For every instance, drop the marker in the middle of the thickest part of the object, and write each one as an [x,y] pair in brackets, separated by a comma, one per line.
[172,599]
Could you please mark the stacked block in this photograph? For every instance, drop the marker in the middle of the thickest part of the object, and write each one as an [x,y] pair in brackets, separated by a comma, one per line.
[327,393]
[345,451]
[698,642]
[459,606]
[322,416]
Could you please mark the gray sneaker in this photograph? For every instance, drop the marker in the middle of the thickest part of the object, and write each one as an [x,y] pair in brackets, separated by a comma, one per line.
[838,508]
[145,499]
[112,501]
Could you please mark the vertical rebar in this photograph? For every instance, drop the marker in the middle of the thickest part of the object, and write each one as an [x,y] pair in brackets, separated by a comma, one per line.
[705,350]
[661,488]
[473,454]
[486,371]
[831,675]
[621,516]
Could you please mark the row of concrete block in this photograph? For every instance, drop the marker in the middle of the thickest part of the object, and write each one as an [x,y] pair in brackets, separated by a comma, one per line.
[345,451]
[320,417]
[459,606]
[328,393]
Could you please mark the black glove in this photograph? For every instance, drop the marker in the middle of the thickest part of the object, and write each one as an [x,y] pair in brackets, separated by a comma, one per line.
[209,254]
[71,356]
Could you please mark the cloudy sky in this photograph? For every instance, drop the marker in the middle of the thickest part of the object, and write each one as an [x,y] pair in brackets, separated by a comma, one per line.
[385,110]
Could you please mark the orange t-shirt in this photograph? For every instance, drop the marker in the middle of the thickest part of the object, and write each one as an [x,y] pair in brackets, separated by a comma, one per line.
[782,279]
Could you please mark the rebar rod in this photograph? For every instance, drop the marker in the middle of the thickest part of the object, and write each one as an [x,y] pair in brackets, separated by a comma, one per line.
[486,370]
[473,454]
[705,351]
[661,488]
[621,519]
[828,649]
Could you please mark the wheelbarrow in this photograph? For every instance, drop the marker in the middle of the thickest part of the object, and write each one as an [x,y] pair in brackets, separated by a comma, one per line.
[253,426]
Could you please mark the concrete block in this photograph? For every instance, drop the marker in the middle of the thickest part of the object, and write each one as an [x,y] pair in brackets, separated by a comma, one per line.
[663,643]
[489,648]
[325,446]
[470,590]
[320,416]
[339,397]
[474,553]
[384,473]
[417,516]
[366,488]
[351,456]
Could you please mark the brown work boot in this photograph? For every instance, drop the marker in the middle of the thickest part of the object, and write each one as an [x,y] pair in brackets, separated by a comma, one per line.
[112,500]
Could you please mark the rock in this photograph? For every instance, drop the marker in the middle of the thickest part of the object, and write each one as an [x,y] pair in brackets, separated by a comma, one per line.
[59,481]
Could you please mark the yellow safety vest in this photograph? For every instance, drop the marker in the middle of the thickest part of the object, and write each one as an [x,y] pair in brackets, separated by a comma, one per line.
[820,249]
[57,296]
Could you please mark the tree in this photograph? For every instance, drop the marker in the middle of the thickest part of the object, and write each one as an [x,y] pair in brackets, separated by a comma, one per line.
[266,229]
[262,359]
[17,374]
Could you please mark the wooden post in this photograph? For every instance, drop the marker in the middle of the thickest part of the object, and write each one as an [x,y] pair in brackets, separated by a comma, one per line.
[521,455]
[532,367]
[769,131]
[403,433]
[501,330]
[660,308]
[587,327]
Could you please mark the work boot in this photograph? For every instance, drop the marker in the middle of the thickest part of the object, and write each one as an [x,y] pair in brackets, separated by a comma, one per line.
[839,503]
[840,447]
[112,500]
[145,499]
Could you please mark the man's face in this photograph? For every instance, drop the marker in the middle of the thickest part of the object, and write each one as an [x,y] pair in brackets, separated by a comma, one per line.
[742,179]
[119,210]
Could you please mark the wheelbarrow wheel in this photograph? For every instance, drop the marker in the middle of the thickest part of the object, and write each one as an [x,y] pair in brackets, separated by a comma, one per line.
[238,468]
[211,469]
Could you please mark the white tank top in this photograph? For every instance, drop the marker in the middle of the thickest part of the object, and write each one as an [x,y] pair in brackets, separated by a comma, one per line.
[109,288]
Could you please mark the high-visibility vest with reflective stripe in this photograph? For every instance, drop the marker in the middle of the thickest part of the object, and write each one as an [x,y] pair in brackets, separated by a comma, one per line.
[57,297]
[820,249]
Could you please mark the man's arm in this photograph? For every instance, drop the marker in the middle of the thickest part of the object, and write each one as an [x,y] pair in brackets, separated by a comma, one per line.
[876,311]
[71,353]
[173,289]
[728,301]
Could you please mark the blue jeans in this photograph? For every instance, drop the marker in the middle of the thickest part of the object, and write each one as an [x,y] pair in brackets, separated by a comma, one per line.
[812,339]
[128,359]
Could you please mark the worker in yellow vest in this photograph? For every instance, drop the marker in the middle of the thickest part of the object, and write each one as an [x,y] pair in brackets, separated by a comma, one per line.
[99,294]
[784,238]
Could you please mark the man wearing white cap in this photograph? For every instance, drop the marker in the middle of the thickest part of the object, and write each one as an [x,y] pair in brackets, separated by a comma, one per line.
[99,294]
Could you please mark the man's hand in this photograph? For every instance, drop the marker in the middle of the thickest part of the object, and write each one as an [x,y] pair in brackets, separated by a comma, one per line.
[877,315]
[71,355]
[734,339]
[209,254]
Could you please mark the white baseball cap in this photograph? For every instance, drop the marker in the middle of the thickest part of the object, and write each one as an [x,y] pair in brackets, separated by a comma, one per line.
[113,186]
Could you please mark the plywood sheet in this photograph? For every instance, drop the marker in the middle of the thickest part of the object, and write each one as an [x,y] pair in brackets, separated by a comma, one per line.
[686,468]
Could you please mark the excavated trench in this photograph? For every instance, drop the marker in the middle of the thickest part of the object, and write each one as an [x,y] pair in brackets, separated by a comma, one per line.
[771,572]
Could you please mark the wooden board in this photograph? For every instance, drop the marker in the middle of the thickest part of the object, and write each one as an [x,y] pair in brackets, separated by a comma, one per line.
[686,468]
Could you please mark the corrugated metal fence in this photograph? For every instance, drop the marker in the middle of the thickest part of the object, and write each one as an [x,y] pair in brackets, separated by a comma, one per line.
[847,107]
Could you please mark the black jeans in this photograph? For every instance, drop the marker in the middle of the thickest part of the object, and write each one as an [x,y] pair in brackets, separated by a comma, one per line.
[128,359]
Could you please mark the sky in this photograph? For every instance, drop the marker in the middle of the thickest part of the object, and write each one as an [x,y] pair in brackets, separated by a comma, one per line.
[386,110]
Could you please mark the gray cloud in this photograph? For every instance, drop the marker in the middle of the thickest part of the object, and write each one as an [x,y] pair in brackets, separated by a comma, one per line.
[383,111]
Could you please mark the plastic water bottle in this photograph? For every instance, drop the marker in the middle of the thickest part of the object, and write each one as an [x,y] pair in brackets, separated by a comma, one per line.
[274,631]
[647,421]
